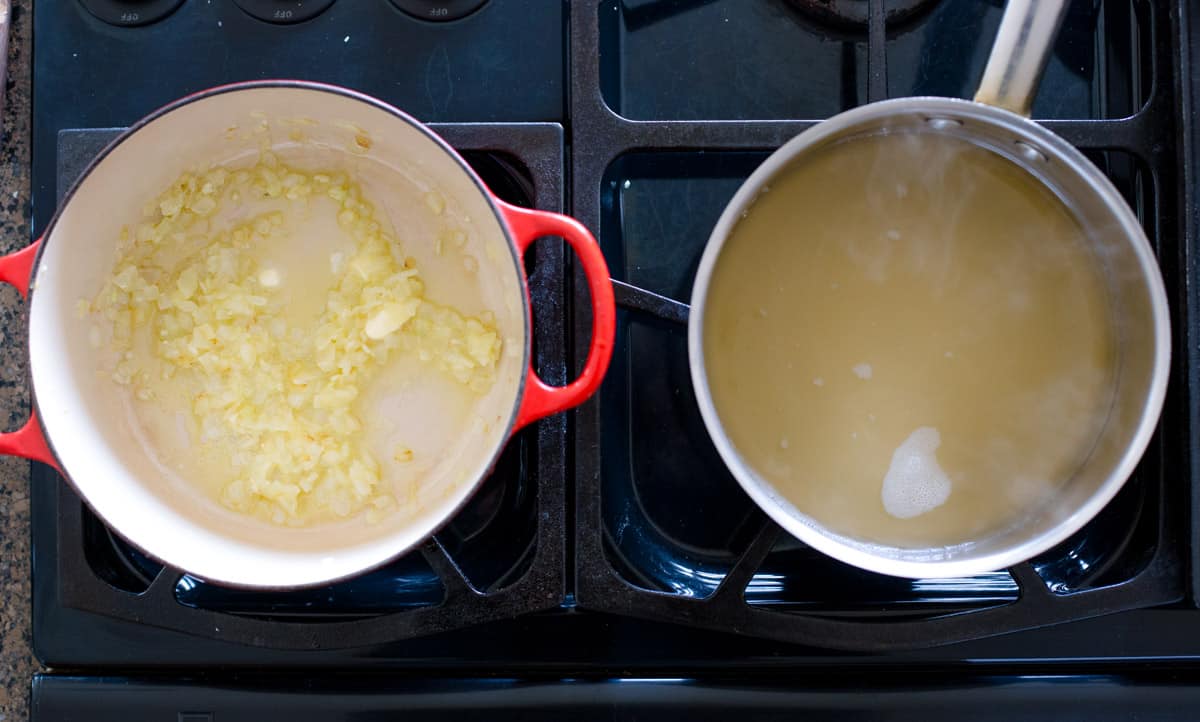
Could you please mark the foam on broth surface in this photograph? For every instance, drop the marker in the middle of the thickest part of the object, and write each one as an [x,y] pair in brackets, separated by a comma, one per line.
[908,337]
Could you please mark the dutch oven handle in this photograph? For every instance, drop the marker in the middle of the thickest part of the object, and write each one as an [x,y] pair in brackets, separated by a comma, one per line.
[541,399]
[16,269]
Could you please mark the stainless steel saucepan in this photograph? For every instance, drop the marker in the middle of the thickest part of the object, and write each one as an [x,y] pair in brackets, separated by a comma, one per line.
[997,120]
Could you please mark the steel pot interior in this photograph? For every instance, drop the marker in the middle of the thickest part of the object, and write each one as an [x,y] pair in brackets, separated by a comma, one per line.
[86,416]
[1139,316]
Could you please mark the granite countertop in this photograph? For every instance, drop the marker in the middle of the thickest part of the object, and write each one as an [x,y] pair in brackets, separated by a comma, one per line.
[17,663]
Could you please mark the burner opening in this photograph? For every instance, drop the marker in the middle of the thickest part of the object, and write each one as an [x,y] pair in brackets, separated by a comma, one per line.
[115,560]
[855,14]
[493,537]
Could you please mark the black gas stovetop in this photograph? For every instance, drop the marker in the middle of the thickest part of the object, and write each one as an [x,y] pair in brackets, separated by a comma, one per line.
[575,582]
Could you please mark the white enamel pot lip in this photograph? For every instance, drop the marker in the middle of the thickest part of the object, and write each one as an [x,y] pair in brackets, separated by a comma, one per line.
[859,553]
[405,539]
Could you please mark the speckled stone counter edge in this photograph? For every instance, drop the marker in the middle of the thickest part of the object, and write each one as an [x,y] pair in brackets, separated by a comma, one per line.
[17,663]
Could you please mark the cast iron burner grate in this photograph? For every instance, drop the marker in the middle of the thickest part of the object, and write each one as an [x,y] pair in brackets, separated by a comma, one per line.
[654,188]
[640,112]
[500,557]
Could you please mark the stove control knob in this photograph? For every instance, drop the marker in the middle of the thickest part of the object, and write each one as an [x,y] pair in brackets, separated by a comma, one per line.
[284,12]
[130,13]
[439,10]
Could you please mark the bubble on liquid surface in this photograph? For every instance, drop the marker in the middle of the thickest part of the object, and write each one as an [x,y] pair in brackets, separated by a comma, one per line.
[915,483]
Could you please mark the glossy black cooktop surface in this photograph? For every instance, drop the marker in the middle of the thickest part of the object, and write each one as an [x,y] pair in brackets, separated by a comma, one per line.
[577,559]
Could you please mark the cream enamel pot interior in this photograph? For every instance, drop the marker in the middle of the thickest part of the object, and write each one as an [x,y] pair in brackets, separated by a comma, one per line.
[997,120]
[78,424]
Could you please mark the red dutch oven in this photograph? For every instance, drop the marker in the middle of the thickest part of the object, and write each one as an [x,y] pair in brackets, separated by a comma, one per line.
[81,423]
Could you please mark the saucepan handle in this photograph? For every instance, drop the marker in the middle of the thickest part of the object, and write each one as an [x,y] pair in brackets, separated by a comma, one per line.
[1019,54]
[16,269]
[540,398]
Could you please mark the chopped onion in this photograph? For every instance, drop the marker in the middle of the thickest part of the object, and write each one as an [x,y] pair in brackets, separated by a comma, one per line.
[280,397]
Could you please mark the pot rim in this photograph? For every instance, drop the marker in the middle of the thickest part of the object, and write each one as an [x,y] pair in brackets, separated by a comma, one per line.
[859,553]
[518,267]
